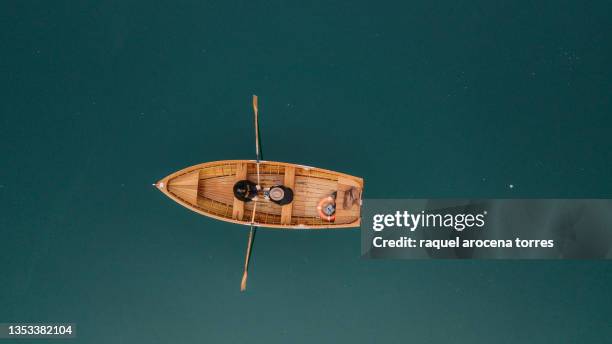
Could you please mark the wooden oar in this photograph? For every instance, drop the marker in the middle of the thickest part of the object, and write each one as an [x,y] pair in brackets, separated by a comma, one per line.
[256,111]
[247,257]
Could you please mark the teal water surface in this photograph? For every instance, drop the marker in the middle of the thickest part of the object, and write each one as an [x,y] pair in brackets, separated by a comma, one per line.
[423,99]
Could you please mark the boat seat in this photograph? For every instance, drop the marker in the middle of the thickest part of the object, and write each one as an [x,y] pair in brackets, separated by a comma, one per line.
[346,212]
[288,181]
[238,206]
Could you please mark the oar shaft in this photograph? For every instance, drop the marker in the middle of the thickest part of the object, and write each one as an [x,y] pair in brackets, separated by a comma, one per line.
[247,257]
[253,215]
[248,252]
[256,110]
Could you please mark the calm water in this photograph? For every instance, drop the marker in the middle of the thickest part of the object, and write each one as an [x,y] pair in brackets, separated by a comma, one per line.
[100,99]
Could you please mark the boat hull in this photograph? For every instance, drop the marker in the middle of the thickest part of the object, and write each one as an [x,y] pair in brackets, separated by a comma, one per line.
[207,189]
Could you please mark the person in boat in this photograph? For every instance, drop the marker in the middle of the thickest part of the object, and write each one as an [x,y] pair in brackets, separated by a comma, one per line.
[279,194]
[246,190]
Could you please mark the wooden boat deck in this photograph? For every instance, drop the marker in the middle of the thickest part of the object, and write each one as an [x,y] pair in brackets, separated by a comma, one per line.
[208,189]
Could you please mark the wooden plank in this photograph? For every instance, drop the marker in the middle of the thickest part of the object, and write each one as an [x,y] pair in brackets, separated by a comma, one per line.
[340,199]
[218,189]
[238,208]
[186,186]
[289,182]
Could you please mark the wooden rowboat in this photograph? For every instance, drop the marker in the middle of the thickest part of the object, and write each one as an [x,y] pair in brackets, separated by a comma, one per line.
[319,198]
[207,189]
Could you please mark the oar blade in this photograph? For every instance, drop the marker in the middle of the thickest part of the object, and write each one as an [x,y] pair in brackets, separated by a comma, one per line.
[256,121]
[244,281]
